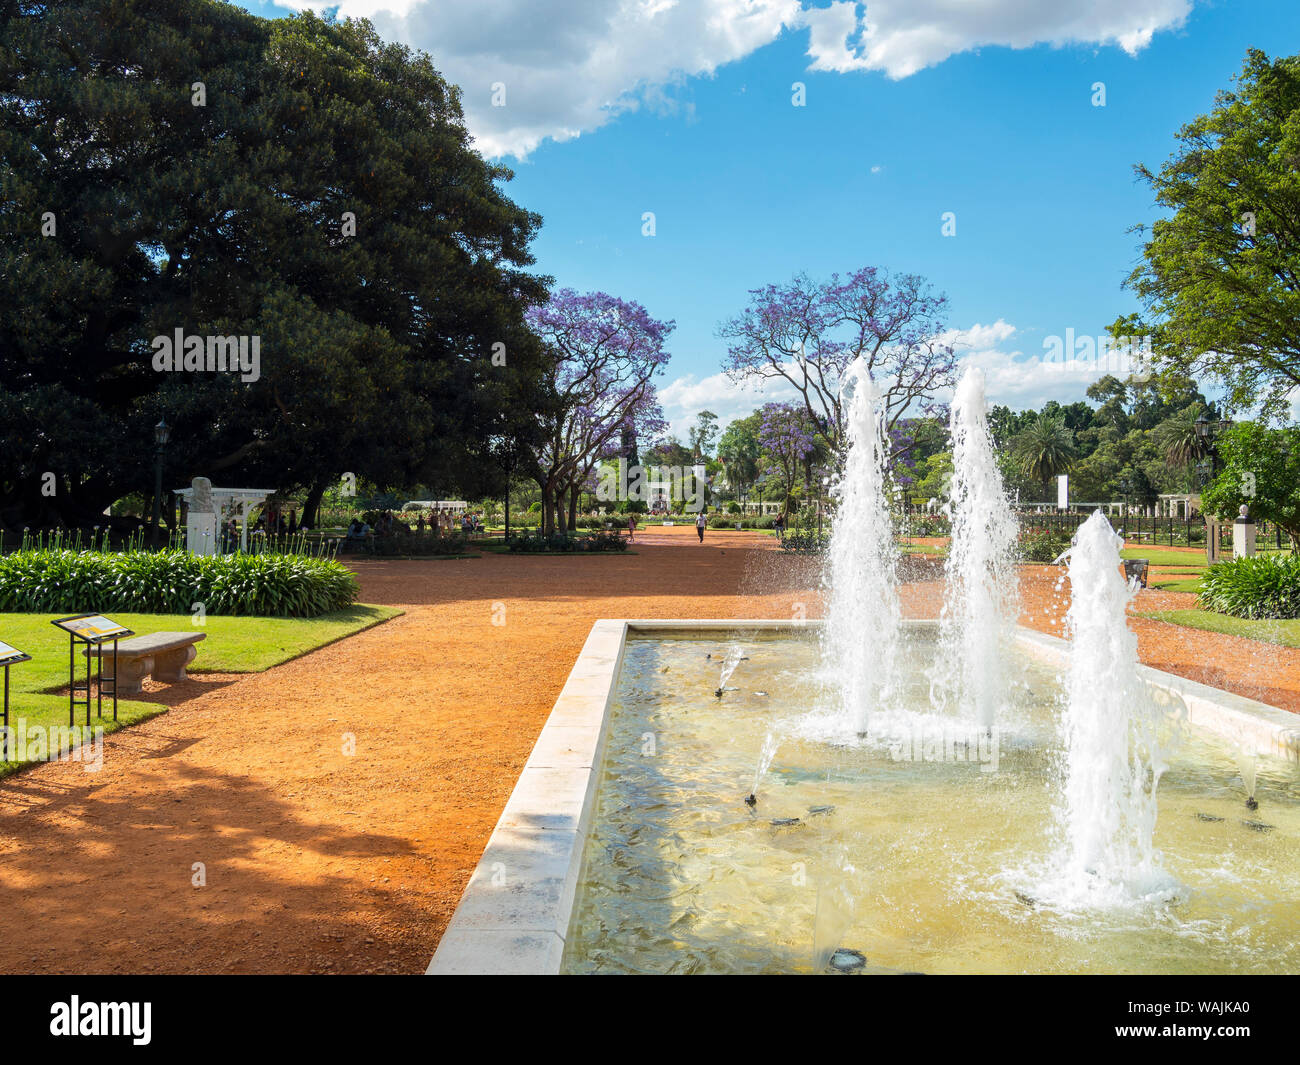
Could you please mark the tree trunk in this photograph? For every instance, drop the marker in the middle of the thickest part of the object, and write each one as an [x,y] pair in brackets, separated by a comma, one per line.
[311,506]
[574,492]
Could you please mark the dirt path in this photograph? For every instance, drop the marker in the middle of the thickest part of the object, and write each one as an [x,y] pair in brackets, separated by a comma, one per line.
[320,860]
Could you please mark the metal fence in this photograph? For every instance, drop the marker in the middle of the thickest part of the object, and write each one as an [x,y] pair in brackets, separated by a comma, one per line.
[1149,529]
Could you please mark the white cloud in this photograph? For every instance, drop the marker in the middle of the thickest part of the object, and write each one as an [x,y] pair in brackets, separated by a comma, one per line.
[571,66]
[1020,380]
[684,397]
[901,37]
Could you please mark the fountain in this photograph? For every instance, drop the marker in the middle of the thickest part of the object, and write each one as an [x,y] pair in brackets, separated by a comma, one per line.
[735,655]
[1113,756]
[978,618]
[1051,859]
[765,755]
[1249,770]
[863,614]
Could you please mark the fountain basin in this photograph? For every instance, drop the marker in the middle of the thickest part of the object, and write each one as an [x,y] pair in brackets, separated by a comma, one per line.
[523,911]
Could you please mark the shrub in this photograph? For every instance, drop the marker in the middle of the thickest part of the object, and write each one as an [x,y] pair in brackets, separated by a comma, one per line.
[1261,586]
[1044,547]
[535,541]
[929,525]
[804,541]
[170,582]
[416,543]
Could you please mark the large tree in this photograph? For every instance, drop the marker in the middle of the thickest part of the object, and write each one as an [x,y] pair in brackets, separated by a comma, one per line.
[788,440]
[808,333]
[183,165]
[740,449]
[602,355]
[1261,468]
[1044,448]
[1220,274]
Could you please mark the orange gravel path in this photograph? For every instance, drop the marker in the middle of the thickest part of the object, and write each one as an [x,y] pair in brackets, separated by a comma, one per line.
[338,803]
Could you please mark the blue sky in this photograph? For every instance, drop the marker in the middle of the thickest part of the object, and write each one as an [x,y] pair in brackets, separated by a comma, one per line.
[612,112]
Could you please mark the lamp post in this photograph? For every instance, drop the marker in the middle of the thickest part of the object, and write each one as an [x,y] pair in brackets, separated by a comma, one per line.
[1206,432]
[161,434]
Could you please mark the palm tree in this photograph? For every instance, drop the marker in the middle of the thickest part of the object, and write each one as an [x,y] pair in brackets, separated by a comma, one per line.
[1179,442]
[1043,449]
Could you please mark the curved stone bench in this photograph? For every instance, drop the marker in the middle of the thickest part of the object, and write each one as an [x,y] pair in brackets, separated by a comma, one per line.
[162,655]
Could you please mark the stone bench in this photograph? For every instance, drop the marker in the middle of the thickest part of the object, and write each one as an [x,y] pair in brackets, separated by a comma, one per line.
[162,655]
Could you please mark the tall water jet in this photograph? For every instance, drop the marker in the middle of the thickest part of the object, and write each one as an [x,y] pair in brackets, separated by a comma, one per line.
[1113,760]
[863,615]
[980,600]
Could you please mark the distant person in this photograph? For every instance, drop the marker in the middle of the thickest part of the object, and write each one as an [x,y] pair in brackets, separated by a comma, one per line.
[700,522]
[779,525]
[419,522]
[631,528]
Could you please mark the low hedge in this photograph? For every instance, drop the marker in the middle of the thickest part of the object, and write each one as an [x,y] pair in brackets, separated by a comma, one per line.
[1260,586]
[171,582]
[535,541]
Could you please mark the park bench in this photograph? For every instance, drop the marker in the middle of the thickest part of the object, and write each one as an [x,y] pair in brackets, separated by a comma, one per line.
[162,655]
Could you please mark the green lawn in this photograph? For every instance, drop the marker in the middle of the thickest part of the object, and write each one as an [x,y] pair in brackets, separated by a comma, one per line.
[1163,556]
[1285,633]
[1185,585]
[922,549]
[233,645]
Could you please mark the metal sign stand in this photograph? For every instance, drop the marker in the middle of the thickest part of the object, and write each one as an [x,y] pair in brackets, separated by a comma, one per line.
[10,656]
[92,636]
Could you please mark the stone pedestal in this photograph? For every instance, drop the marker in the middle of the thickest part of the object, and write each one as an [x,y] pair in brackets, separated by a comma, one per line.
[201,533]
[201,520]
[1243,535]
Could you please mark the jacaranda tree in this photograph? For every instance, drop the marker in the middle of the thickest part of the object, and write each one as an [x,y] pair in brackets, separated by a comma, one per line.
[602,354]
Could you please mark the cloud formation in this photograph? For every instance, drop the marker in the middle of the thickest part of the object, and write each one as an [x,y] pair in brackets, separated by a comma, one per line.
[571,66]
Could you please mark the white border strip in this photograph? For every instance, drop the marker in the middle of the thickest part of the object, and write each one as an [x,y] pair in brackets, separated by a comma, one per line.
[514,915]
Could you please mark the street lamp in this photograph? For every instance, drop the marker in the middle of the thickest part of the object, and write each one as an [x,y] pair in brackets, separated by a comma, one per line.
[1206,432]
[161,434]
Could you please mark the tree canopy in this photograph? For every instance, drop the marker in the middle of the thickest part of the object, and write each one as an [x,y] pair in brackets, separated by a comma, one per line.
[1220,272]
[183,165]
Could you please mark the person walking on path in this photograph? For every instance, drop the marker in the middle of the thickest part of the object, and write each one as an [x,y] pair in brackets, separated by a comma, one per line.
[700,522]
[631,528]
[780,526]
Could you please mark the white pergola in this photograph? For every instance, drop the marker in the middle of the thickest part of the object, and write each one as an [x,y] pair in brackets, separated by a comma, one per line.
[231,503]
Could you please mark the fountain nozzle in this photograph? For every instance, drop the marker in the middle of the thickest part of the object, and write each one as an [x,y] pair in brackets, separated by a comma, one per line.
[718,694]
[751,799]
[1252,803]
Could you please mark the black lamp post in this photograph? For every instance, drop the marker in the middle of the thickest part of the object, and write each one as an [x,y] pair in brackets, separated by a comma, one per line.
[161,434]
[1206,431]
